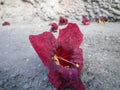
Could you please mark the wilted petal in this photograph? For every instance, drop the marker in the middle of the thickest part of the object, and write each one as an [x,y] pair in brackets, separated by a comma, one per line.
[5,23]
[70,37]
[45,45]
[54,27]
[63,21]
[53,75]
[62,77]
[85,20]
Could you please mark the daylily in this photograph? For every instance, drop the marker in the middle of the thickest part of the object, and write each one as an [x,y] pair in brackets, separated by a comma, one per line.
[62,56]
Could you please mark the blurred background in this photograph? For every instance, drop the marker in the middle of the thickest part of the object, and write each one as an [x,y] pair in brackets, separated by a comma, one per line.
[36,10]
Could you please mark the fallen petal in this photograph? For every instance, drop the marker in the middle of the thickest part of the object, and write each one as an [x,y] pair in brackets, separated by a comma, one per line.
[6,24]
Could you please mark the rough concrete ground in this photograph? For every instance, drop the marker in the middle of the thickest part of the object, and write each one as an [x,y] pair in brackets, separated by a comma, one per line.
[21,69]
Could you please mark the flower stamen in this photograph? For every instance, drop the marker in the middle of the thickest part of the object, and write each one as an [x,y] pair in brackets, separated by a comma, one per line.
[57,58]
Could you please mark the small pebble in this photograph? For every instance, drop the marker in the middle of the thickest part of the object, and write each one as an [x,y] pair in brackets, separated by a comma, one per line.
[27,59]
[26,86]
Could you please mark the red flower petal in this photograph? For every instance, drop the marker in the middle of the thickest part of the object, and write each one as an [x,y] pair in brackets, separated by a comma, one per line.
[63,21]
[62,77]
[64,53]
[45,45]
[54,27]
[85,21]
[70,37]
[5,24]
[77,57]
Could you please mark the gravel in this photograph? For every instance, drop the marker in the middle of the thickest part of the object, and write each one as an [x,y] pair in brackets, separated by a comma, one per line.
[21,69]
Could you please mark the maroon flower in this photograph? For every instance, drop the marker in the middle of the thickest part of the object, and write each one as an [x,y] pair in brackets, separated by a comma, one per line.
[62,56]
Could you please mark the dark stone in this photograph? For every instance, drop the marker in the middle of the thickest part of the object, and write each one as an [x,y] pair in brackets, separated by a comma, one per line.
[2,3]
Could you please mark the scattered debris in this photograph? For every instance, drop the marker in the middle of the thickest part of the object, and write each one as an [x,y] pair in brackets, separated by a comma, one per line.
[102,20]
[54,27]
[63,21]
[85,20]
[6,23]
[1,3]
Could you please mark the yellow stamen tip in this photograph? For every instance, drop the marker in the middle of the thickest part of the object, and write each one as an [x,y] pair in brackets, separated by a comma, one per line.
[77,65]
[56,59]
[67,66]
